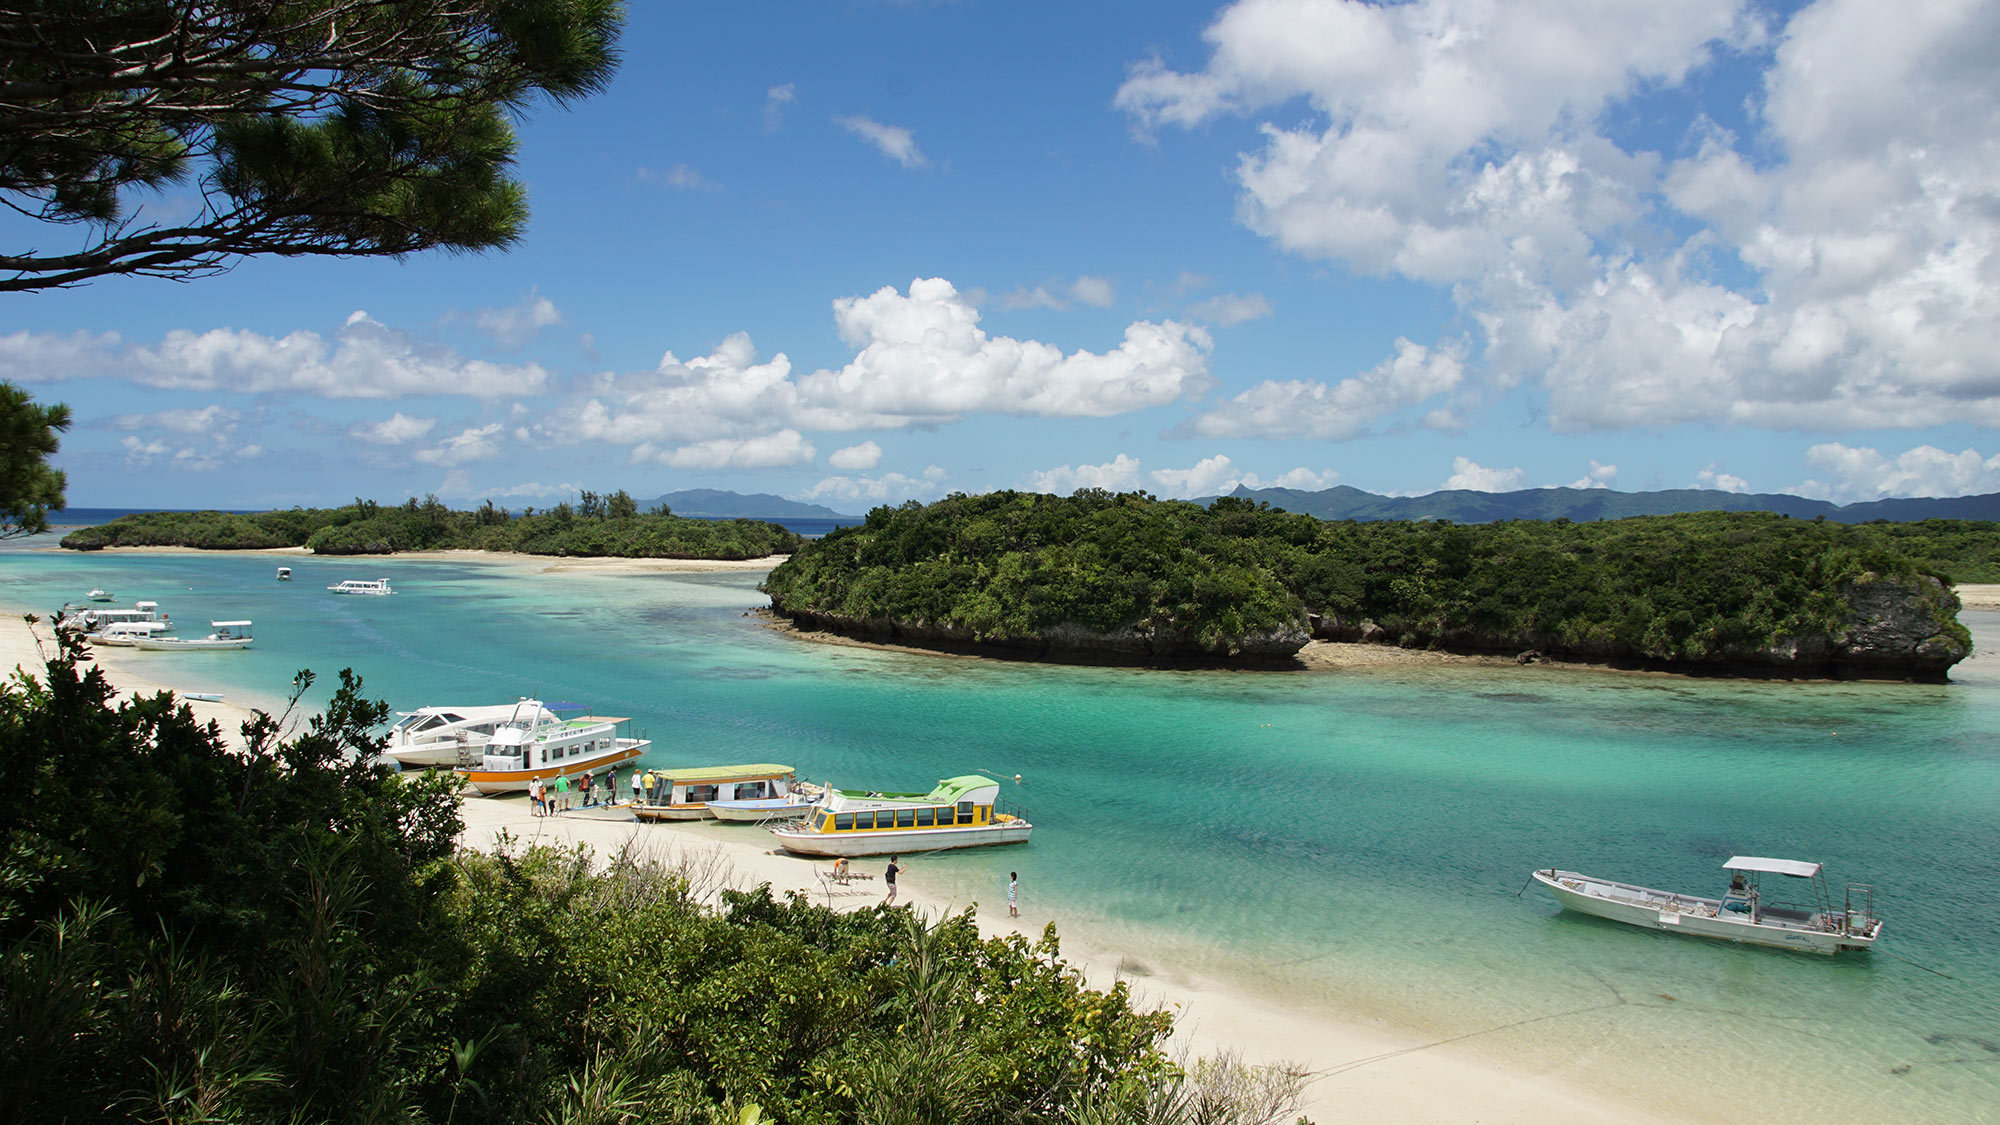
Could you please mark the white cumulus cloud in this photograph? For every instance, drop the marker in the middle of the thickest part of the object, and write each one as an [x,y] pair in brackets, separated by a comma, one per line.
[397,429]
[512,328]
[921,359]
[856,457]
[1835,266]
[1861,473]
[478,443]
[892,141]
[362,359]
[1335,412]
[1120,474]
[1712,477]
[889,488]
[786,447]
[1599,476]
[1469,474]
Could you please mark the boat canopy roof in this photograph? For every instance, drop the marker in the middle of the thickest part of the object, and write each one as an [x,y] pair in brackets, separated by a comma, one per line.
[1796,868]
[724,773]
[955,789]
[229,624]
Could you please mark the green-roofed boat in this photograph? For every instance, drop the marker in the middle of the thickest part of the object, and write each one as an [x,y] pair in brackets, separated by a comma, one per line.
[686,794]
[962,812]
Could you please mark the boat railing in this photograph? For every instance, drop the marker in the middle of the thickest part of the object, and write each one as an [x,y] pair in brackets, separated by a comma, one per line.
[1010,808]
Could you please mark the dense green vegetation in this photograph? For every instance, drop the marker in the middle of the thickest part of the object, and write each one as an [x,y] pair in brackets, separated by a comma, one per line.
[1030,571]
[595,526]
[189,933]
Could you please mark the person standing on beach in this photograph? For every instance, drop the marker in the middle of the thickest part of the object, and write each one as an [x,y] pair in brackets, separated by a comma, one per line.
[534,796]
[889,877]
[589,787]
[1013,894]
[562,793]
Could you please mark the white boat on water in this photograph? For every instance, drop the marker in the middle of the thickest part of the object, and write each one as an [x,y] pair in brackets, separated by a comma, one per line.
[223,635]
[693,792]
[794,805]
[362,586]
[962,812]
[1741,914]
[101,596]
[90,619]
[525,748]
[455,736]
[284,574]
[126,634]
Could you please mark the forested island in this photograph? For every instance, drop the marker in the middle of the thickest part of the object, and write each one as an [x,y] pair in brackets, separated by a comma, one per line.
[596,526]
[1127,578]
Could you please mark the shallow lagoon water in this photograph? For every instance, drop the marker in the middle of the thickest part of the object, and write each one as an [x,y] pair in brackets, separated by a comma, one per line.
[1349,842]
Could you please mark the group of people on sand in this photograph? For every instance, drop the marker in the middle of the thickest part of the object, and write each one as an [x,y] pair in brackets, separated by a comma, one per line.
[552,798]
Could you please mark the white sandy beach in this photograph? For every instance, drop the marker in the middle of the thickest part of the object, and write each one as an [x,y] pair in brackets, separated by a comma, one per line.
[1364,1073]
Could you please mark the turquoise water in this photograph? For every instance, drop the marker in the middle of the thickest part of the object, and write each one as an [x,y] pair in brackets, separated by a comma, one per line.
[1345,842]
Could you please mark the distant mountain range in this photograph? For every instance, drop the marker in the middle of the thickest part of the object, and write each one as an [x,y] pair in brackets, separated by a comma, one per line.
[1464,506]
[715,503]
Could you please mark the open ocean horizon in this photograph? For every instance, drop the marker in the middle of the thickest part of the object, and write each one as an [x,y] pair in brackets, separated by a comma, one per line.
[1344,843]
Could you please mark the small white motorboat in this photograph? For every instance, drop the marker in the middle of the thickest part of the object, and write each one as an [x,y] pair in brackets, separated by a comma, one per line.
[284,574]
[362,586]
[225,635]
[455,736]
[1741,914]
[101,596]
[126,634]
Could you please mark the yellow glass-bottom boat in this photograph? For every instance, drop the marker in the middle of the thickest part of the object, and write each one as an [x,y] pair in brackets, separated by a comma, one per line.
[962,812]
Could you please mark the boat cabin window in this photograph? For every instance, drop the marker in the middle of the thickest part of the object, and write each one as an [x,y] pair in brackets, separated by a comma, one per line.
[843,822]
[945,817]
[965,813]
[864,820]
[752,791]
[926,817]
[701,794]
[819,821]
[451,718]
[906,818]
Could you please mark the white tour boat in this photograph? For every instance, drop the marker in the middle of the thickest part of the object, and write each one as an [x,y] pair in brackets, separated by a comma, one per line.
[442,736]
[524,749]
[691,793]
[223,635]
[962,812]
[125,634]
[362,586]
[89,619]
[1741,914]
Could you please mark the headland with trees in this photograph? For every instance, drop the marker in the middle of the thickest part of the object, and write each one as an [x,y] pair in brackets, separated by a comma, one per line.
[1127,578]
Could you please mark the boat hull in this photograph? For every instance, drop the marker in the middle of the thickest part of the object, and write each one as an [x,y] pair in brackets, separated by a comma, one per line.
[757,812]
[169,644]
[1682,914]
[489,782]
[671,812]
[897,841]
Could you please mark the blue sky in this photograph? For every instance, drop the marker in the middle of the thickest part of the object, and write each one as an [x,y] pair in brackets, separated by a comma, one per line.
[862,252]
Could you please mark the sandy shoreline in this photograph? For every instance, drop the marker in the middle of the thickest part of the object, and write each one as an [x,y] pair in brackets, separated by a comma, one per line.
[1364,1072]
